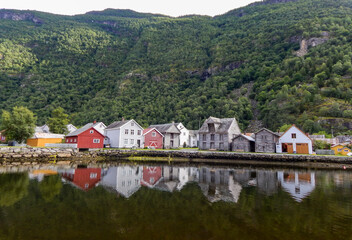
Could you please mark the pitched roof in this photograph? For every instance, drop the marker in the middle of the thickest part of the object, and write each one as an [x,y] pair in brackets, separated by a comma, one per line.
[265,129]
[165,128]
[246,137]
[117,124]
[193,132]
[225,124]
[147,130]
[47,135]
[83,129]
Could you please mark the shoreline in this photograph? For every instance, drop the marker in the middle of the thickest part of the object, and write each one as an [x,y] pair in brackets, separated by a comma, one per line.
[10,156]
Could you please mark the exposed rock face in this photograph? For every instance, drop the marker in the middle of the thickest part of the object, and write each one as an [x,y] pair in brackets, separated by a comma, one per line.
[20,17]
[312,42]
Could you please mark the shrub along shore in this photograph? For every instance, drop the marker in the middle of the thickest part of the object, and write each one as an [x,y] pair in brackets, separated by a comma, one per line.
[26,156]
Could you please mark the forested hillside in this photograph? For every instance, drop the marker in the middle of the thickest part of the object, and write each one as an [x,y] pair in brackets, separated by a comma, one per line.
[274,62]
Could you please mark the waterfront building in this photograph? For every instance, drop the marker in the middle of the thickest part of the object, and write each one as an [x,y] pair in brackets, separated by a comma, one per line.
[124,134]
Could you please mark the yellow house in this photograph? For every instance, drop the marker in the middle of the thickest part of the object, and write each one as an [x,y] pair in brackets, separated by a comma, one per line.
[340,149]
[40,139]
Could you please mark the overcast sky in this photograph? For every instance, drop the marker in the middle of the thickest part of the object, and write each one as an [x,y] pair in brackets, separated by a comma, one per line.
[168,7]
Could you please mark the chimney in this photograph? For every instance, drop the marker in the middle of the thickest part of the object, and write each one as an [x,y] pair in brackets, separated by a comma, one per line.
[94,121]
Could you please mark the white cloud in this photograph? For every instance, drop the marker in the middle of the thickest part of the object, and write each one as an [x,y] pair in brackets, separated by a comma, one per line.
[172,8]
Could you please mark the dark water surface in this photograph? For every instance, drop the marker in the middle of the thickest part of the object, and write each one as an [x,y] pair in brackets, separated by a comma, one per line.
[174,202]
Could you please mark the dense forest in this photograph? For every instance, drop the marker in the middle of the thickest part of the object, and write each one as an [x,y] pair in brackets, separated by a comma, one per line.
[270,63]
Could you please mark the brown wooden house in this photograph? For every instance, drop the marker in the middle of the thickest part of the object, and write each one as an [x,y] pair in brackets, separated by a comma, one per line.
[265,141]
[243,143]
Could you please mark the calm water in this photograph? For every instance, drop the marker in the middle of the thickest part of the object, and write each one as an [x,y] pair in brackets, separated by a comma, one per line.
[173,202]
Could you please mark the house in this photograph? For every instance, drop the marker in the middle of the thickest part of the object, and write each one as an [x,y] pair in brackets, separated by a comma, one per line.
[217,133]
[171,134]
[90,135]
[2,136]
[151,176]
[125,180]
[341,139]
[265,141]
[184,135]
[193,138]
[340,149]
[243,143]
[39,139]
[70,128]
[294,141]
[42,129]
[83,178]
[322,138]
[124,134]
[152,138]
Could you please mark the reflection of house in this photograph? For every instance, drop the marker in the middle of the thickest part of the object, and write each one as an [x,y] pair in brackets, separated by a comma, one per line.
[185,175]
[267,182]
[39,139]
[171,134]
[84,178]
[340,149]
[151,176]
[219,185]
[265,141]
[39,174]
[294,141]
[243,143]
[2,136]
[126,180]
[217,134]
[170,179]
[298,185]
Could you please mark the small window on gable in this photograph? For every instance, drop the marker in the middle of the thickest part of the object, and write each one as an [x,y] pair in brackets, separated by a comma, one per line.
[132,124]
[293,135]
[153,134]
[91,131]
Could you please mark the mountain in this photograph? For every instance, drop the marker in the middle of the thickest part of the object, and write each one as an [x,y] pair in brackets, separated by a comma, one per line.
[271,63]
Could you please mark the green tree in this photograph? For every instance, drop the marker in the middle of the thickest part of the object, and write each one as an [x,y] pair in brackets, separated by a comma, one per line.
[19,124]
[284,127]
[58,121]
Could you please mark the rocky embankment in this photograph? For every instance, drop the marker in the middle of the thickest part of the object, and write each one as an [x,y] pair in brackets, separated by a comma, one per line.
[47,155]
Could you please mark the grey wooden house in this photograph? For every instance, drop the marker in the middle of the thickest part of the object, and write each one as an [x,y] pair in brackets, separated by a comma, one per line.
[217,133]
[171,134]
[265,141]
[243,143]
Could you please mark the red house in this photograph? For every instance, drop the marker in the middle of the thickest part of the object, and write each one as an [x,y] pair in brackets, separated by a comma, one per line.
[90,135]
[153,138]
[151,176]
[84,178]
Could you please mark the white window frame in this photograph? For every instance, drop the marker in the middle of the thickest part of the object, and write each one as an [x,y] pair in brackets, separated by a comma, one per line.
[95,140]
[91,131]
[153,134]
[131,141]
[126,131]
[132,131]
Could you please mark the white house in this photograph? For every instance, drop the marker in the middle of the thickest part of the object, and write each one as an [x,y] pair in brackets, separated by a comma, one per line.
[71,128]
[294,141]
[124,134]
[184,135]
[193,138]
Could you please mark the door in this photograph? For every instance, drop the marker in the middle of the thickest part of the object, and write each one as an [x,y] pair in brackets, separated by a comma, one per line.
[139,143]
[302,148]
[289,147]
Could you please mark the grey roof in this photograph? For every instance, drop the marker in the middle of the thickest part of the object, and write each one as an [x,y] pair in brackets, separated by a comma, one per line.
[166,128]
[246,137]
[193,132]
[225,124]
[117,124]
[265,129]
[82,129]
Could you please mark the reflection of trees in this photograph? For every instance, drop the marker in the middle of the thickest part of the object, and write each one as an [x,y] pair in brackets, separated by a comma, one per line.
[13,187]
[50,187]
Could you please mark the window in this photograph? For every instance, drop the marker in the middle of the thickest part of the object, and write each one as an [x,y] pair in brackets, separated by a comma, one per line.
[129,183]
[96,140]
[123,183]
[126,131]
[346,150]
[132,141]
[184,134]
[132,124]
[91,131]
[136,182]
[93,175]
[132,132]
[293,135]
[221,137]
[86,186]
[153,134]
[125,141]
[66,140]
[139,132]
[75,140]
[71,140]
[204,137]
[212,137]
